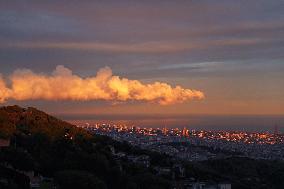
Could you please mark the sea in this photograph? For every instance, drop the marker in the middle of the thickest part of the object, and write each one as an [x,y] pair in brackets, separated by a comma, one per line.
[248,123]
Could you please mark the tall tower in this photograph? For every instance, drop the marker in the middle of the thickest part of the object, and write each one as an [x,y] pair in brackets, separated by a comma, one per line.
[165,130]
[185,132]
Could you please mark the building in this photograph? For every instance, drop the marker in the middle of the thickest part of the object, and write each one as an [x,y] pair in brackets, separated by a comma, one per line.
[224,186]
[143,160]
[185,132]
[189,184]
[4,143]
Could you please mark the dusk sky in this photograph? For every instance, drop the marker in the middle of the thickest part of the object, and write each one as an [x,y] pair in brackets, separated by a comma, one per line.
[226,56]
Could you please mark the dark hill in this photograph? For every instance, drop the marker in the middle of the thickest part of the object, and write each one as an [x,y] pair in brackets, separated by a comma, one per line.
[28,121]
[69,156]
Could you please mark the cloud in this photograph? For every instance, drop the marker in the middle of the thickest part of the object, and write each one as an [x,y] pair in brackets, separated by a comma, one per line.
[62,84]
[4,91]
[152,47]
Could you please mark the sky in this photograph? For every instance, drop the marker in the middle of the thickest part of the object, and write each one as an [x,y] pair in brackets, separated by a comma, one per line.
[180,57]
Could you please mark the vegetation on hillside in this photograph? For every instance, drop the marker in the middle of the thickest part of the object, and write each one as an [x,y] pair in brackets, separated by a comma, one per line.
[70,155]
[78,159]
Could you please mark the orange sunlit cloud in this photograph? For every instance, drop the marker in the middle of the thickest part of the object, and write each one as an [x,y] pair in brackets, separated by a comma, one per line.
[62,84]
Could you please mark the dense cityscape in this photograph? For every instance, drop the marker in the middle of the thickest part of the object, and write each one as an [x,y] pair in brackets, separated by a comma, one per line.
[196,145]
[41,151]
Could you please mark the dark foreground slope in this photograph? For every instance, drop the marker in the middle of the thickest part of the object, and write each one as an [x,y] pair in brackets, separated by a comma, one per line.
[68,156]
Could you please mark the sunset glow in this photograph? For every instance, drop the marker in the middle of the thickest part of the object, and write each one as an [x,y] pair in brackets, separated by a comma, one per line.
[161,59]
[63,85]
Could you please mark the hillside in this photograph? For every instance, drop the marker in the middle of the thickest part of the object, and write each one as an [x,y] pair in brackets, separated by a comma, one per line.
[46,152]
[30,121]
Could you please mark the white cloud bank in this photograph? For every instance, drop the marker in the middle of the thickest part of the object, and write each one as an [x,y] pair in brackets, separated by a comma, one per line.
[62,84]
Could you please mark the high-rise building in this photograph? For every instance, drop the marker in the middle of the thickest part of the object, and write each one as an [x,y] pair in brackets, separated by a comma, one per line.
[185,132]
[165,130]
